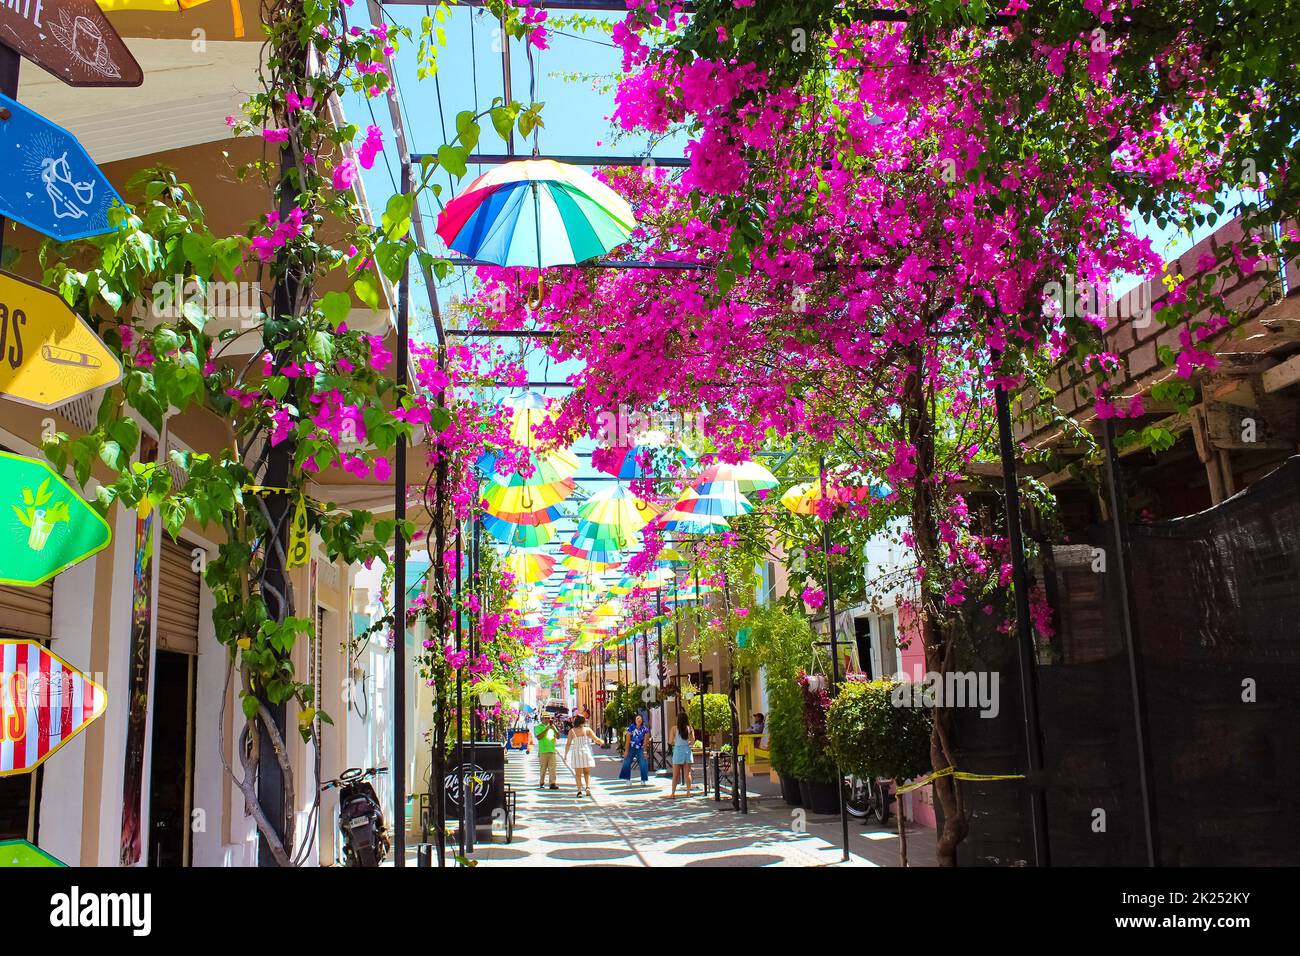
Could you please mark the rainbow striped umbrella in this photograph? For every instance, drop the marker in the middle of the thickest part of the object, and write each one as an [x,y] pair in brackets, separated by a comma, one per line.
[520,535]
[536,212]
[529,566]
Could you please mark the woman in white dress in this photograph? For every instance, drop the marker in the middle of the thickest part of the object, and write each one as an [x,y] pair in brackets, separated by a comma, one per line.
[578,755]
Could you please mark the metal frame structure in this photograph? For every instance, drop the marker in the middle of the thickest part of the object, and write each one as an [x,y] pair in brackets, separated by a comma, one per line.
[1033,735]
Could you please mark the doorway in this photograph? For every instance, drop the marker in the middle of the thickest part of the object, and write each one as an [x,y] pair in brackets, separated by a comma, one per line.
[171,783]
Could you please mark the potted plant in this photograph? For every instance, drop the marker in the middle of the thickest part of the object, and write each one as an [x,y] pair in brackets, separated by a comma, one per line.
[874,731]
[819,780]
[782,644]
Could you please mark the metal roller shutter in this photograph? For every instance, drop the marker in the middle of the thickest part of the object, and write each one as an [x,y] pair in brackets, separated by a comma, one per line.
[26,612]
[178,599]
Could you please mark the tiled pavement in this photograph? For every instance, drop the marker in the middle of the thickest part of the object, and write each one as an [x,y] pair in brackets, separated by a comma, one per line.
[628,824]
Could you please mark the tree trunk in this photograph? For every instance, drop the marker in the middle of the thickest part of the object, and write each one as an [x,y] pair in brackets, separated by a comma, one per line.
[938,642]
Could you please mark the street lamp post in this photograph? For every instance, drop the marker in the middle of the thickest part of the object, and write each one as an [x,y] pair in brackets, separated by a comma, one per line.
[835,651]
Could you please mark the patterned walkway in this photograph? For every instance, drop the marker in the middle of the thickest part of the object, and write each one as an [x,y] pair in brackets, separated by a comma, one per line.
[630,824]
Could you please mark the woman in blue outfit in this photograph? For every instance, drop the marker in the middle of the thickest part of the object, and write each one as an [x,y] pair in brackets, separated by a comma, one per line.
[683,754]
[635,740]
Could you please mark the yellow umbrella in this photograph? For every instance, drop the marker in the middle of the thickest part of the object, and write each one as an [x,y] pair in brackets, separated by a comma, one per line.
[617,509]
[530,566]
[802,499]
[523,499]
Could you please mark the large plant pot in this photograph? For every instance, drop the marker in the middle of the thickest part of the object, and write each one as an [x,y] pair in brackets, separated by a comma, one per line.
[790,791]
[819,797]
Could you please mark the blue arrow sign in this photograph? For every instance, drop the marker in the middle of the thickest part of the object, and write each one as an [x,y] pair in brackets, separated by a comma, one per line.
[47,180]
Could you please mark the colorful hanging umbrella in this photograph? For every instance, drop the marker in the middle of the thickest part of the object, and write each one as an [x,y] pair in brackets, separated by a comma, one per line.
[525,498]
[651,456]
[618,510]
[546,469]
[519,535]
[529,566]
[747,476]
[805,498]
[725,504]
[536,212]
[686,522]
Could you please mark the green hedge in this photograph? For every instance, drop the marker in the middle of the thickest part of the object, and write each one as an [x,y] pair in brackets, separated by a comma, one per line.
[872,736]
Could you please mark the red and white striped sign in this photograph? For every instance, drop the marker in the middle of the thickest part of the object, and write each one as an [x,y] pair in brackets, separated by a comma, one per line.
[44,703]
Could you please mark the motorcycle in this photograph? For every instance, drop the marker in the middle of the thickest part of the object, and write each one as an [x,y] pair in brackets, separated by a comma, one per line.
[361,817]
[865,797]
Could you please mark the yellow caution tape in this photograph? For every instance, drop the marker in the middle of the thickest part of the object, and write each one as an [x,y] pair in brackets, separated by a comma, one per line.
[960,775]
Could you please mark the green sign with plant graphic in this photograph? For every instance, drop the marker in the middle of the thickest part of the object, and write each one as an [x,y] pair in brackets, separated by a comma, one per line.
[48,527]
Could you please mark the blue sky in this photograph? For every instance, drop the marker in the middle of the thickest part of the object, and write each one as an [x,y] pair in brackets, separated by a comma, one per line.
[470,75]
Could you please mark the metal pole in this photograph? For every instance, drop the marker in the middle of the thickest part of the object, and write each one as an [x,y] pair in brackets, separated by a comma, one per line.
[1028,670]
[460,696]
[10,62]
[505,82]
[471,810]
[659,674]
[677,651]
[835,650]
[700,667]
[1131,646]
[399,565]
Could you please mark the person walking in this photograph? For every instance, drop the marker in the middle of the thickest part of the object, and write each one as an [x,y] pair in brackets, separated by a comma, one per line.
[578,755]
[545,736]
[683,754]
[634,739]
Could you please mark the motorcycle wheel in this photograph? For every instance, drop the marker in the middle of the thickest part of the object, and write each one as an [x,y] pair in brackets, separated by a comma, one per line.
[857,800]
[879,802]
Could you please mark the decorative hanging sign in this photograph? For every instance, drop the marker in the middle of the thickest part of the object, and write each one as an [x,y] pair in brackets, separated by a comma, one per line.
[71,39]
[47,527]
[48,181]
[44,703]
[20,853]
[48,355]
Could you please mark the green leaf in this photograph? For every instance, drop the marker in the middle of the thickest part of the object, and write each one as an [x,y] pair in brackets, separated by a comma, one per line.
[467,129]
[110,453]
[335,306]
[503,121]
[396,220]
[367,288]
[453,159]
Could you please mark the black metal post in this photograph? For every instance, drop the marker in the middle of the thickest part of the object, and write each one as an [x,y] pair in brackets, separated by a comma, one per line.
[471,810]
[677,651]
[699,649]
[10,63]
[664,735]
[1025,639]
[399,565]
[460,694]
[1136,682]
[835,650]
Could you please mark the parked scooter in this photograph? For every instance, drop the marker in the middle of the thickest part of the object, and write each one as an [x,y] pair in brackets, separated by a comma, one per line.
[361,817]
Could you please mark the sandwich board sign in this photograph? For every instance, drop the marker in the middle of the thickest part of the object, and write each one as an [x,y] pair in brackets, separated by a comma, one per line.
[48,181]
[48,354]
[44,703]
[47,527]
[71,39]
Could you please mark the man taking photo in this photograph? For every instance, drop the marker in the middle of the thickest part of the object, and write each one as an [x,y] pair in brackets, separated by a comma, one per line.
[545,735]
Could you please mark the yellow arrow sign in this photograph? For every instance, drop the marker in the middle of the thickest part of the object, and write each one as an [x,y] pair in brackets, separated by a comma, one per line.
[48,355]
